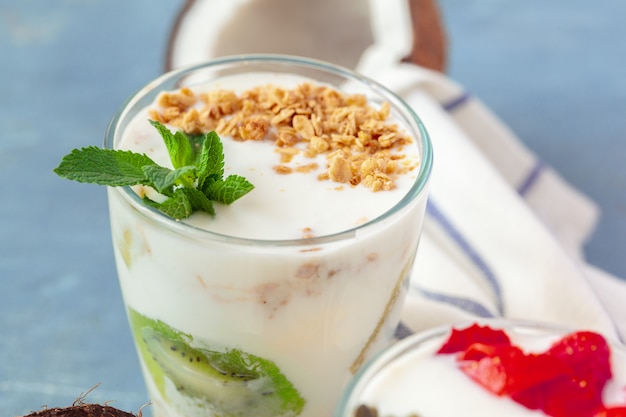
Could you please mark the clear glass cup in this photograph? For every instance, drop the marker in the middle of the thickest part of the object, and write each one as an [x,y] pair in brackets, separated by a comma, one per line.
[409,379]
[229,326]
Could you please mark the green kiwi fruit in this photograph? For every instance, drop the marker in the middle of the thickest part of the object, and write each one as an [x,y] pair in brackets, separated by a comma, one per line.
[229,382]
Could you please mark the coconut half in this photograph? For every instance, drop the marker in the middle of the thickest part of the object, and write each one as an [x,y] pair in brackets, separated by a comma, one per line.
[329,30]
[83,410]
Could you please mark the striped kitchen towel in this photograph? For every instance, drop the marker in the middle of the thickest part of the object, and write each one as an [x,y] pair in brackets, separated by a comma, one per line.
[504,232]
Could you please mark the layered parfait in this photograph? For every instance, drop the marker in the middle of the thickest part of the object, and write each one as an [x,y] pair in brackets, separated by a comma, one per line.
[268,306]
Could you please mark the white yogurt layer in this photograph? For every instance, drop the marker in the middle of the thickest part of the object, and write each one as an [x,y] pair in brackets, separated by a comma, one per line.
[280,206]
[316,311]
[429,385]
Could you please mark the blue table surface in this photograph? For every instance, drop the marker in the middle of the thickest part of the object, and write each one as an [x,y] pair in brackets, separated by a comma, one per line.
[553,71]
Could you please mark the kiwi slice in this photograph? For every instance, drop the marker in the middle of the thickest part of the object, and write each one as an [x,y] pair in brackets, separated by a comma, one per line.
[228,382]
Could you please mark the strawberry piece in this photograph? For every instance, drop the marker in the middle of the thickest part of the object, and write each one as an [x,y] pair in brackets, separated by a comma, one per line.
[478,351]
[588,355]
[490,366]
[617,411]
[460,340]
[561,397]
[584,359]
[507,370]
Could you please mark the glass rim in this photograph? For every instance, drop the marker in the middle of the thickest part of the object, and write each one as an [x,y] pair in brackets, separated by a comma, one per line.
[181,227]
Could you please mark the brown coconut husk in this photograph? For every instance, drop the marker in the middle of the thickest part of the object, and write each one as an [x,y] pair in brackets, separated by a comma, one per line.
[429,35]
[81,409]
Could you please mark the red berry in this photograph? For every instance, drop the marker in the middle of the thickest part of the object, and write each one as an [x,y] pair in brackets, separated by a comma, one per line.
[460,340]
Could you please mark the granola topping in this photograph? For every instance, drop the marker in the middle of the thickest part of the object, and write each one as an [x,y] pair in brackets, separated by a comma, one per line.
[360,145]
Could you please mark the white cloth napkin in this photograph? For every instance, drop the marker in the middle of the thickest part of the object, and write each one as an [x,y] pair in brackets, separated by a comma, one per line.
[503,235]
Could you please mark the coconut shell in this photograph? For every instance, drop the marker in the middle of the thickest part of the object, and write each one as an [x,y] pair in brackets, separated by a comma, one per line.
[193,38]
[83,410]
[429,35]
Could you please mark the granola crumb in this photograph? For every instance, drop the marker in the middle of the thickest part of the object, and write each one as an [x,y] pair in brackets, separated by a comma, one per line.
[287,153]
[307,168]
[340,170]
[283,169]
[313,120]
[254,128]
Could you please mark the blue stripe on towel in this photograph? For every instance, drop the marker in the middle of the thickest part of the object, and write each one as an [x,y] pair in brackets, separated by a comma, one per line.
[534,173]
[531,178]
[472,254]
[464,304]
[456,102]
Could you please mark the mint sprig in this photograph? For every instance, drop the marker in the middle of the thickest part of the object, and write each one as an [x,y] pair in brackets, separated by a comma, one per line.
[196,181]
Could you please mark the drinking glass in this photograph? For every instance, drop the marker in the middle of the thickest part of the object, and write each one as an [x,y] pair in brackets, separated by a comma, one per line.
[229,326]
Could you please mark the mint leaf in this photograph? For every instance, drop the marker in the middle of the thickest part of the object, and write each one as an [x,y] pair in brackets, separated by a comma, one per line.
[178,145]
[194,183]
[104,166]
[196,141]
[228,190]
[163,179]
[210,161]
[176,206]
[199,201]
